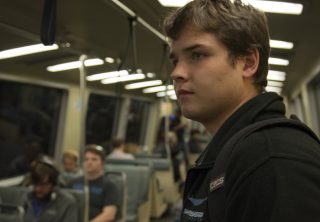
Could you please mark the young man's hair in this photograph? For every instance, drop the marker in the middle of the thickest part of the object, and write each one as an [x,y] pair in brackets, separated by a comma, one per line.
[241,28]
[96,149]
[117,142]
[73,154]
[44,168]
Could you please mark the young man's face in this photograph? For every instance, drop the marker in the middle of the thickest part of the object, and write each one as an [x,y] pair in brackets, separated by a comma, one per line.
[42,190]
[207,85]
[69,163]
[92,163]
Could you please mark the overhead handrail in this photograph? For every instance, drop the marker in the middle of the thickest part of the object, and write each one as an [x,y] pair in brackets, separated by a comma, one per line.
[131,13]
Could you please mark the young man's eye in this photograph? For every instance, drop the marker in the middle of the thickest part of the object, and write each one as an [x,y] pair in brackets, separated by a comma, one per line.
[174,62]
[196,56]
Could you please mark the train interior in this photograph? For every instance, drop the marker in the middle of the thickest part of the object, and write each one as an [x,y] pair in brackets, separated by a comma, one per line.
[82,87]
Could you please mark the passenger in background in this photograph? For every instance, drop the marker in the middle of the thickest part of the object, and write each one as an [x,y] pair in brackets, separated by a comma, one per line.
[178,124]
[104,195]
[194,142]
[173,149]
[107,146]
[46,202]
[132,148]
[71,169]
[118,150]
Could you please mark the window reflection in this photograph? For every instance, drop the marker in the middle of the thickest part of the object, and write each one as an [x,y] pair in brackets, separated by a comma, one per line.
[137,120]
[29,116]
[100,118]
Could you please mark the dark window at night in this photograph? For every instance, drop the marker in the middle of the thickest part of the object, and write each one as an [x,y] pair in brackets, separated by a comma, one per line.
[137,119]
[101,117]
[29,116]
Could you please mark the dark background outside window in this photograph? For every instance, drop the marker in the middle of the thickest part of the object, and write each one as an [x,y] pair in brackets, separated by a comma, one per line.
[137,118]
[101,117]
[29,116]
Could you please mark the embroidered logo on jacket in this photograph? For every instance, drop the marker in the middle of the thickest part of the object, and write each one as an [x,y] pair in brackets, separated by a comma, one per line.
[195,215]
[197,202]
[216,183]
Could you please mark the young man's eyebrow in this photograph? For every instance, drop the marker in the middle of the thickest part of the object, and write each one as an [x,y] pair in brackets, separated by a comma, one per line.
[192,47]
[187,49]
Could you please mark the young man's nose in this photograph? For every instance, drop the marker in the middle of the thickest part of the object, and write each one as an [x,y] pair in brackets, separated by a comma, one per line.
[179,73]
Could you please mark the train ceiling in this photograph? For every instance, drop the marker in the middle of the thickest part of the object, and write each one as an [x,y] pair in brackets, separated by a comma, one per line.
[101,29]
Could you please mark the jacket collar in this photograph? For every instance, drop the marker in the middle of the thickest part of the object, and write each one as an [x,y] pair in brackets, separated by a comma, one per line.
[264,106]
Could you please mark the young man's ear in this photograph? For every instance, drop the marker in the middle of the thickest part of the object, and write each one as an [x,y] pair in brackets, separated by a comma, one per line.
[251,63]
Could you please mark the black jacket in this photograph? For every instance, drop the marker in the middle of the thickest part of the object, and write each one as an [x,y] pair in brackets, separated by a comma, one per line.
[273,175]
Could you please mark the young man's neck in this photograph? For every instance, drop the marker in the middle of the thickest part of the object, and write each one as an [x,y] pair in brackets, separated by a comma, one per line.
[213,126]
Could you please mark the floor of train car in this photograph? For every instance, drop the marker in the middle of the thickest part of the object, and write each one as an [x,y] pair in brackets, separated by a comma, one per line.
[170,215]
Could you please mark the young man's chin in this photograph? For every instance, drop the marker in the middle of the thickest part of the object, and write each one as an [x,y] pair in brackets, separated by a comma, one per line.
[43,197]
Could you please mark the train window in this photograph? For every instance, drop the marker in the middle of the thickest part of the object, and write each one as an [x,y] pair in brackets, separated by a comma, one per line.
[29,117]
[314,93]
[137,121]
[101,118]
[299,108]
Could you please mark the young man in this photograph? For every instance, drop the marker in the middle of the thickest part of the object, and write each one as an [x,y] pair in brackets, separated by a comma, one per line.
[47,203]
[118,152]
[104,195]
[71,169]
[220,54]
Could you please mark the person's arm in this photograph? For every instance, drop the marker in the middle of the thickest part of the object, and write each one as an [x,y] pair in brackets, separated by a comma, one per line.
[71,213]
[108,214]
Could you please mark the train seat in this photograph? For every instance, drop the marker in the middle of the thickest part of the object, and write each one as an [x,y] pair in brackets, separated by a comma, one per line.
[158,203]
[13,195]
[80,199]
[139,190]
[164,174]
[11,209]
[11,213]
[120,179]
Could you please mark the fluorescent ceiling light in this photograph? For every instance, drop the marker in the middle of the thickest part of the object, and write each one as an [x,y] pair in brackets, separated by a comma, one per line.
[106,75]
[277,61]
[74,65]
[123,78]
[109,60]
[173,97]
[174,3]
[275,83]
[93,62]
[266,6]
[278,7]
[280,44]
[151,75]
[168,93]
[273,89]
[26,50]
[143,84]
[276,75]
[157,89]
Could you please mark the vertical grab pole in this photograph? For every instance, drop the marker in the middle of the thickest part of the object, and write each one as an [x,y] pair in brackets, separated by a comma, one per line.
[166,100]
[82,96]
[166,128]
